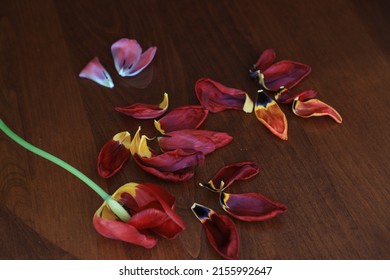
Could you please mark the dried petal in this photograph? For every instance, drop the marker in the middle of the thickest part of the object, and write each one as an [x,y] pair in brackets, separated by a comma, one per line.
[114,154]
[270,115]
[315,108]
[283,95]
[285,73]
[204,141]
[128,57]
[265,60]
[251,207]
[220,231]
[95,71]
[145,111]
[184,117]
[216,97]
[231,173]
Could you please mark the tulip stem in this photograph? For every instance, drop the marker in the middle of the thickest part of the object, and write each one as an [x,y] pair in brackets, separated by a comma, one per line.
[53,159]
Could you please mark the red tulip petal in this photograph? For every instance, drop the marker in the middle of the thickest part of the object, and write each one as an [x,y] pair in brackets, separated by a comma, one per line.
[145,111]
[315,108]
[121,231]
[265,60]
[128,57]
[220,231]
[270,115]
[216,97]
[204,141]
[184,117]
[228,174]
[95,71]
[114,154]
[283,95]
[285,73]
[251,207]
[154,208]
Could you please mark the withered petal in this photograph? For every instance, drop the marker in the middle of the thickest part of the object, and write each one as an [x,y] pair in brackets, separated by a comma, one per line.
[220,230]
[315,108]
[216,97]
[265,60]
[284,95]
[113,154]
[183,117]
[145,111]
[251,207]
[270,115]
[228,174]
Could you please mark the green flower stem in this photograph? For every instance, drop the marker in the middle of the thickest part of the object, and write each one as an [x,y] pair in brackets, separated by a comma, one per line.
[114,205]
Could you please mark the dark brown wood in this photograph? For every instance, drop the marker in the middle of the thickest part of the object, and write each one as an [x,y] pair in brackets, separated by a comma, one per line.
[334,178]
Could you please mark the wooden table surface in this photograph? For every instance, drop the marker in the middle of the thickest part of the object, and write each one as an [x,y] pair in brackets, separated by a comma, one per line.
[334,178]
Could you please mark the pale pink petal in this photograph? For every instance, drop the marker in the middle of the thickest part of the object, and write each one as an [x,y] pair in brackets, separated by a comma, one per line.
[95,71]
[126,54]
[145,59]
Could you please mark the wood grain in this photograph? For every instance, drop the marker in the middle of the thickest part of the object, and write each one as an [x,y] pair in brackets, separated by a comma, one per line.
[334,178]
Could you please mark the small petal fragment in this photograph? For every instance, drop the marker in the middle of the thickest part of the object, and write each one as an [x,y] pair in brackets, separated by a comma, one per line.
[114,154]
[216,97]
[314,108]
[228,174]
[283,95]
[145,111]
[128,57]
[95,71]
[204,141]
[270,115]
[220,231]
[183,117]
[251,207]
[265,60]
[285,73]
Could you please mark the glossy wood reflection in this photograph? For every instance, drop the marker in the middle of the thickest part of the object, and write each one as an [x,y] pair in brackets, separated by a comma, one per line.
[333,177]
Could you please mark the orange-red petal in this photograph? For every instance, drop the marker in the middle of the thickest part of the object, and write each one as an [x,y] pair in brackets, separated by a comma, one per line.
[270,115]
[315,108]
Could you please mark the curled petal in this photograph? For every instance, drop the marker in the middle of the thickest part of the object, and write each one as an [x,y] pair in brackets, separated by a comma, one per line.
[265,60]
[270,115]
[315,108]
[251,207]
[95,71]
[114,154]
[184,117]
[204,141]
[128,57]
[172,166]
[285,73]
[231,173]
[283,95]
[145,111]
[119,230]
[220,230]
[216,97]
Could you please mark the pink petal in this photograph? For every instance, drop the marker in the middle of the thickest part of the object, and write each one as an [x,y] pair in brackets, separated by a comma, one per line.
[95,71]
[145,59]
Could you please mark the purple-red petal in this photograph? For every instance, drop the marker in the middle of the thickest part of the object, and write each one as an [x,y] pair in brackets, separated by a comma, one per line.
[145,111]
[315,108]
[228,174]
[95,71]
[270,115]
[183,117]
[220,230]
[205,141]
[284,95]
[216,97]
[285,73]
[113,155]
[265,60]
[251,207]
